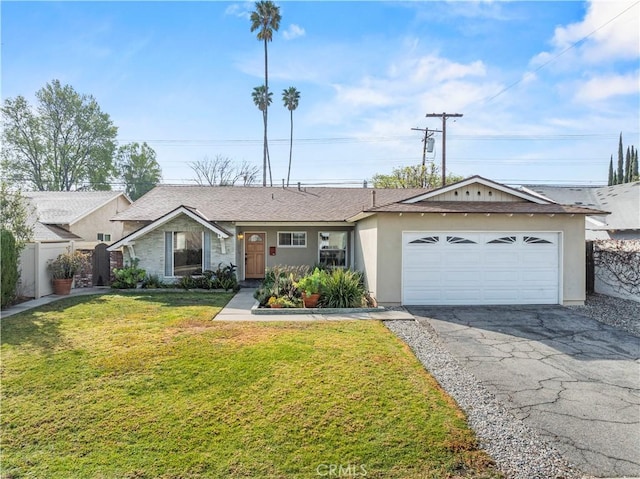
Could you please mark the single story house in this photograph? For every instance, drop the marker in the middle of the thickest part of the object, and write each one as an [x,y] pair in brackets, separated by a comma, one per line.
[473,242]
[61,220]
[621,201]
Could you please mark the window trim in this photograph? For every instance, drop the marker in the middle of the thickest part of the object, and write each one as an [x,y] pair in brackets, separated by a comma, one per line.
[169,240]
[104,237]
[292,233]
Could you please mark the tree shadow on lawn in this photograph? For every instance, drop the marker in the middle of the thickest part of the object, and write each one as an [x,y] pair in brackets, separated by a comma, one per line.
[180,298]
[40,327]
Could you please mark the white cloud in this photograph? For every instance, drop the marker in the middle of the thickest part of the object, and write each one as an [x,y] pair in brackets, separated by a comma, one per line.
[617,40]
[294,31]
[241,10]
[604,87]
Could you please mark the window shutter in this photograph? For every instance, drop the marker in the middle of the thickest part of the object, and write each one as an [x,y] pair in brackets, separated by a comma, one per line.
[168,253]
[206,251]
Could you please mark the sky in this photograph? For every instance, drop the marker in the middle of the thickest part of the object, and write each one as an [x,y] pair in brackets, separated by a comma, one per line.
[545,88]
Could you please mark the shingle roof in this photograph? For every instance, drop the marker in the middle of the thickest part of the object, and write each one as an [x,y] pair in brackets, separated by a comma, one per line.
[42,232]
[483,207]
[249,204]
[622,201]
[65,207]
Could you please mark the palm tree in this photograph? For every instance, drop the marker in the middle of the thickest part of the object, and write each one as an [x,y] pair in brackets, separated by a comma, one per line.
[262,99]
[290,97]
[266,19]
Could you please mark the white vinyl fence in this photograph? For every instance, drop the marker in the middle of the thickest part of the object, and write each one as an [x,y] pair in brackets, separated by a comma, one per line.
[35,280]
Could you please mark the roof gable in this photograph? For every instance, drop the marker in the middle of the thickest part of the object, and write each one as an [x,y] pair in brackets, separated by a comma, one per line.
[181,210]
[69,207]
[476,189]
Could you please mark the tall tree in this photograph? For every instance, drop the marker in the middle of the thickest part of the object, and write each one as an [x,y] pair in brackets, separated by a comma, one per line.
[222,171]
[139,169]
[66,143]
[262,99]
[635,175]
[17,215]
[290,98]
[610,181]
[266,19]
[417,176]
[620,175]
[627,166]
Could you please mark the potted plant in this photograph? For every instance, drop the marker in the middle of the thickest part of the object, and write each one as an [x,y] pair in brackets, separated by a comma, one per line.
[64,268]
[311,288]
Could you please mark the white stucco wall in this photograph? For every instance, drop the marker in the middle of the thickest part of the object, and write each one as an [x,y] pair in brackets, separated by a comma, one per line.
[99,221]
[366,252]
[389,245]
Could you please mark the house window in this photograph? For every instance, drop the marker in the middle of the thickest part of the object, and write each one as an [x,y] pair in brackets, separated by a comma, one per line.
[332,248]
[183,253]
[292,239]
[104,237]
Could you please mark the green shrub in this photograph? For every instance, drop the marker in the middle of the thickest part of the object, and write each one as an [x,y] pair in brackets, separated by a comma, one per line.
[187,282]
[9,264]
[343,289]
[223,277]
[313,283]
[129,276]
[281,281]
[153,281]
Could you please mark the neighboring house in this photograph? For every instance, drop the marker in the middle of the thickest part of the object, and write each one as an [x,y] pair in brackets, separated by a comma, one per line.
[622,201]
[473,242]
[66,219]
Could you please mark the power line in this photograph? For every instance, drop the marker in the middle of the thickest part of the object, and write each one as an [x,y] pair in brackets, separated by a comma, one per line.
[558,55]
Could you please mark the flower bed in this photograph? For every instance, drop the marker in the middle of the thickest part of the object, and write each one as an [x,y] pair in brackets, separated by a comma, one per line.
[291,287]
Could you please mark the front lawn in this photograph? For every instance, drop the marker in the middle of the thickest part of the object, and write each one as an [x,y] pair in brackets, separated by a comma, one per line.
[146,385]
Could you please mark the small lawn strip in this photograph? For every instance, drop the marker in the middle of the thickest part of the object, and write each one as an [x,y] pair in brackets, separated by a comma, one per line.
[135,385]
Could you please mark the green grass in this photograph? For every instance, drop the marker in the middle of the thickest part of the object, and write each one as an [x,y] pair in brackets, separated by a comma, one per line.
[146,385]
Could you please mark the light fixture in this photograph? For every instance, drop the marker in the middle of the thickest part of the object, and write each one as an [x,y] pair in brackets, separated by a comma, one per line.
[240,236]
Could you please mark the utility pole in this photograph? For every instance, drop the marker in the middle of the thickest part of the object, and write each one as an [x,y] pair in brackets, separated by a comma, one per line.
[444,117]
[427,135]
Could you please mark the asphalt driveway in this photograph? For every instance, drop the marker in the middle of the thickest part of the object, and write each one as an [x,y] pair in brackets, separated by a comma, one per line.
[573,379]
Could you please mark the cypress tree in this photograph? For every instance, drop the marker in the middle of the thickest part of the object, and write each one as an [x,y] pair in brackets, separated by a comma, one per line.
[635,176]
[627,166]
[610,181]
[620,176]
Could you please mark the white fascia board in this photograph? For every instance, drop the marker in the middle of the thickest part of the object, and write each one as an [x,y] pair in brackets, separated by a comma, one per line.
[482,181]
[594,221]
[255,224]
[163,220]
[360,216]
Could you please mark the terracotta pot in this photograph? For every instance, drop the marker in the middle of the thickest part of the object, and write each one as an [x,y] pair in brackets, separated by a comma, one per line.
[62,286]
[277,306]
[310,301]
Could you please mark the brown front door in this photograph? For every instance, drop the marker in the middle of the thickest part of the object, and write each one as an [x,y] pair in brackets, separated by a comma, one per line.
[254,247]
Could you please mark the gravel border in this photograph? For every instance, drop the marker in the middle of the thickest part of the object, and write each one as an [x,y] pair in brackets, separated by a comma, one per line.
[620,313]
[517,450]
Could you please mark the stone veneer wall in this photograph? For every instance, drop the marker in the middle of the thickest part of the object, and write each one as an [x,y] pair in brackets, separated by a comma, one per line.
[150,249]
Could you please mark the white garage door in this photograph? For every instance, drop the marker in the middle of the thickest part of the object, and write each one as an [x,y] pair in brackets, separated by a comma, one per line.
[480,268]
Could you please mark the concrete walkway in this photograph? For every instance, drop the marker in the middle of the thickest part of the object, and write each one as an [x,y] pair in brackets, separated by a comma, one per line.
[239,309]
[34,303]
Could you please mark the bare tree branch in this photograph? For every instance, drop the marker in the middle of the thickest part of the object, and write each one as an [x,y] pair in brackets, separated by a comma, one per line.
[222,171]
